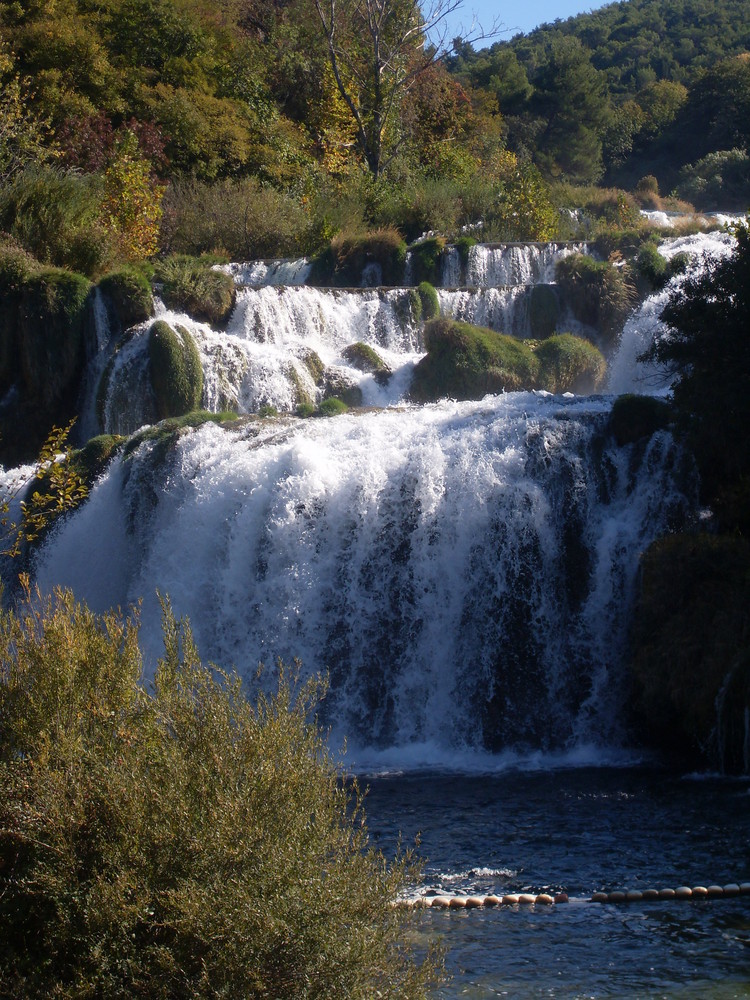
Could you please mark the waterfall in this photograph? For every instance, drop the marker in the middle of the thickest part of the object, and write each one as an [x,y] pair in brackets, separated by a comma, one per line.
[643,327]
[464,572]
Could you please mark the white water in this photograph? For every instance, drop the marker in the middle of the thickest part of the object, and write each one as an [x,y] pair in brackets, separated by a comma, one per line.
[465,571]
[643,327]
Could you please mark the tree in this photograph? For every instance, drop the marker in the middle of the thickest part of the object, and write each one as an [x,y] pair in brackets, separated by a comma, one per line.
[709,351]
[377,50]
[179,843]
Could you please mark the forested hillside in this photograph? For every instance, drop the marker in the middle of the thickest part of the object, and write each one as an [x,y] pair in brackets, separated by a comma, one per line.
[640,87]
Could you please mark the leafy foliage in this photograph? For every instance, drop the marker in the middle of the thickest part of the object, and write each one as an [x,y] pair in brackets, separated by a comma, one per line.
[182,842]
[570,364]
[195,286]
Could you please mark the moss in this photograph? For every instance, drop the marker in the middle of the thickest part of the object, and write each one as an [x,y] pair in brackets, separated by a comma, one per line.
[168,431]
[129,292]
[192,285]
[467,362]
[463,245]
[691,648]
[426,259]
[305,410]
[90,461]
[598,293]
[332,407]
[365,359]
[634,417]
[303,397]
[544,311]
[408,307]
[176,372]
[312,361]
[570,364]
[429,299]
[340,384]
[343,263]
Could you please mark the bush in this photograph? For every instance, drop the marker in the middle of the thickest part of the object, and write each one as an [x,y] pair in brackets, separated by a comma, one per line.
[429,299]
[332,407]
[192,285]
[570,364]
[55,215]
[183,842]
[467,362]
[634,417]
[238,218]
[176,371]
[129,292]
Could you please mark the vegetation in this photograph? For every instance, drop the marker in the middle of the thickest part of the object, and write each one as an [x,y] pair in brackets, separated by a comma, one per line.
[598,293]
[570,364]
[196,287]
[128,292]
[367,359]
[176,371]
[634,417]
[179,842]
[429,300]
[344,261]
[544,311]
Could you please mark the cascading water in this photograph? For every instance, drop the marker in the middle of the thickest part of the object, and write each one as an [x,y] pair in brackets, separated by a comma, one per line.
[464,571]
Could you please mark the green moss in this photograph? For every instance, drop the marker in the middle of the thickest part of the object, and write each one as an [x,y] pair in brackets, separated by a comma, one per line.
[129,292]
[634,417]
[343,263]
[332,406]
[544,310]
[167,432]
[463,245]
[315,366]
[302,395]
[570,364]
[176,372]
[305,410]
[429,299]
[426,259]
[366,359]
[691,648]
[598,293]
[90,461]
[408,307]
[340,384]
[467,362]
[192,285]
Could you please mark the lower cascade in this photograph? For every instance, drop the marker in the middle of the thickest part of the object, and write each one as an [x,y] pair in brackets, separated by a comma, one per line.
[463,571]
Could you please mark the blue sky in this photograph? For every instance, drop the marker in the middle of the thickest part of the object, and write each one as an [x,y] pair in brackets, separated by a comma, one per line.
[514,16]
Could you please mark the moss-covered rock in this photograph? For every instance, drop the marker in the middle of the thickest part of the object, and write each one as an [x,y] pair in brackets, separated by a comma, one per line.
[340,384]
[691,649]
[467,362]
[90,461]
[429,299]
[597,293]
[344,262]
[194,286]
[176,371]
[463,245]
[570,364]
[544,311]
[168,431]
[366,359]
[128,293]
[634,417]
[426,259]
[314,364]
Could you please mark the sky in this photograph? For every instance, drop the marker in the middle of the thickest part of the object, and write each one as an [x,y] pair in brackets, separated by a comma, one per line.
[515,16]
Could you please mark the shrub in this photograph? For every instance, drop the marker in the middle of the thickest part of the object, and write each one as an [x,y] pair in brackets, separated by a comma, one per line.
[239,218]
[192,285]
[467,362]
[129,292]
[180,842]
[426,260]
[570,364]
[634,417]
[176,371]
[55,215]
[463,245]
[429,299]
[651,266]
[332,407]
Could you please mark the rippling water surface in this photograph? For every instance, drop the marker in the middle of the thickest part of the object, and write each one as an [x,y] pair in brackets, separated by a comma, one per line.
[579,831]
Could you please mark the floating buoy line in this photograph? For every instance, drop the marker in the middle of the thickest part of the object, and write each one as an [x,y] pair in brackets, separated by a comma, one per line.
[523,899]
